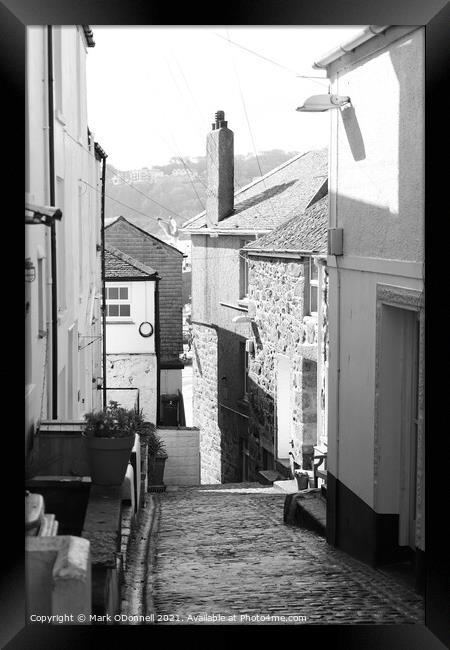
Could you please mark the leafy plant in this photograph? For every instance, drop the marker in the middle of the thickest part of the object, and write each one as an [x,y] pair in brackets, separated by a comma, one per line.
[155,444]
[114,422]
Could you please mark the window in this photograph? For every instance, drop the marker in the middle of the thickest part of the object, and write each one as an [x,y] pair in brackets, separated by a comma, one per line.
[243,272]
[313,287]
[118,303]
[58,75]
[41,296]
[244,370]
[61,246]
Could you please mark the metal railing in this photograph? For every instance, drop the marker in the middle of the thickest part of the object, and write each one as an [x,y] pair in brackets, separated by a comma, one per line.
[126,403]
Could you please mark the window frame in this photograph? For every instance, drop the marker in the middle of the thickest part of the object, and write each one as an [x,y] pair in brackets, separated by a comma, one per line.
[244,371]
[243,272]
[313,285]
[118,301]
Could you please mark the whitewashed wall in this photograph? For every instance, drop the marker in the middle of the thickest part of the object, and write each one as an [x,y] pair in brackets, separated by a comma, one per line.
[122,336]
[183,450]
[377,197]
[78,233]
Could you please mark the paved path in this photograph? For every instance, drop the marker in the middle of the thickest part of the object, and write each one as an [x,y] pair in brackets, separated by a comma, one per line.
[224,551]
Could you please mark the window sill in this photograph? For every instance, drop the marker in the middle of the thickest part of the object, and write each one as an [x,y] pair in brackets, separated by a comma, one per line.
[238,306]
[243,302]
[118,321]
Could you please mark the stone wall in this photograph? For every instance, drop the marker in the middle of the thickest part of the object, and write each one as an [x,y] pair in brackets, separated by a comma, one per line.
[133,371]
[205,403]
[277,286]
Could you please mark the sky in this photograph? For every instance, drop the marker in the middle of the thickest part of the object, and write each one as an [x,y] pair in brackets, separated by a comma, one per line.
[153,91]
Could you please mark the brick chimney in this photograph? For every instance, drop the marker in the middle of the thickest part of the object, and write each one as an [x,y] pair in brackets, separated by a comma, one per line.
[220,170]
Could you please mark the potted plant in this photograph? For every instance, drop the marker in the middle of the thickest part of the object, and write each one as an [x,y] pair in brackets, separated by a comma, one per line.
[156,451]
[109,438]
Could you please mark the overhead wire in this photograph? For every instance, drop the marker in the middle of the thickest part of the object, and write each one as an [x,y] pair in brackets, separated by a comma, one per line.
[131,185]
[265,58]
[250,130]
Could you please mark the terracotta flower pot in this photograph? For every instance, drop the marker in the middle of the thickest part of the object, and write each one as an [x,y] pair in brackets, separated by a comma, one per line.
[108,458]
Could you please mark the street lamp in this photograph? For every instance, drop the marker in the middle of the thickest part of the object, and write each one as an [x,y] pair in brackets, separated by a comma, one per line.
[321,103]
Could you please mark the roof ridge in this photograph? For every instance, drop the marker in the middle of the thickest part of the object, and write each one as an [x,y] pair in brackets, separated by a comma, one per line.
[260,179]
[133,225]
[130,260]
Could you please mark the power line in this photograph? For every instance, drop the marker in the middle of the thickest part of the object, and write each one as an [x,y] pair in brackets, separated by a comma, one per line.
[249,128]
[265,58]
[128,183]
[125,205]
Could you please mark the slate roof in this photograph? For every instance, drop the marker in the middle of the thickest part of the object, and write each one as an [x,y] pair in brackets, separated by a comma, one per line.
[154,253]
[275,197]
[307,232]
[121,266]
[111,222]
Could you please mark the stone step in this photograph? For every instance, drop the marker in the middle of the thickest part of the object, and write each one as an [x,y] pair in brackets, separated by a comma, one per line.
[289,485]
[269,476]
[306,509]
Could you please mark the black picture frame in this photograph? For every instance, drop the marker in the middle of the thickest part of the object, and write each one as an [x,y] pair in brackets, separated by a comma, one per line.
[435,16]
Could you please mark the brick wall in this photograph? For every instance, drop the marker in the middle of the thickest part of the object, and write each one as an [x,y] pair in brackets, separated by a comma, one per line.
[167,261]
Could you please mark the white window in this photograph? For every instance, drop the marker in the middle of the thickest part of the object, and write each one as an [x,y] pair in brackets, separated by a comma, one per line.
[61,257]
[118,302]
[41,296]
[57,73]
[243,272]
[313,287]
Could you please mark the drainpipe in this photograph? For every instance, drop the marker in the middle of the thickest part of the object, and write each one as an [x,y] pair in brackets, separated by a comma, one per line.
[51,162]
[158,351]
[100,154]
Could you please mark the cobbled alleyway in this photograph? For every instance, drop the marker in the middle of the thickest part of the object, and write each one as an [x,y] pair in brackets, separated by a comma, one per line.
[223,551]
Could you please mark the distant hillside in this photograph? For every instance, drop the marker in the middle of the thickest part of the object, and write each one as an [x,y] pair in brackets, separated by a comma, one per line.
[180,187]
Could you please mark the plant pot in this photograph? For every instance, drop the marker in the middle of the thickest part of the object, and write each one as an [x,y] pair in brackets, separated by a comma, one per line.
[302,481]
[108,458]
[156,466]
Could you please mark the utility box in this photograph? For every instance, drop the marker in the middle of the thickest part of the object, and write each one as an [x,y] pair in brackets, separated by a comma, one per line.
[335,241]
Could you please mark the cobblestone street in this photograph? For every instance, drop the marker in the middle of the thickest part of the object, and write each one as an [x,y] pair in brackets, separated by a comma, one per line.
[224,550]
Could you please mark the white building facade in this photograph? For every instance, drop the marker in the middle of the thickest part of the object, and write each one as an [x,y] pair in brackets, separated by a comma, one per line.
[376,482]
[61,169]
[131,332]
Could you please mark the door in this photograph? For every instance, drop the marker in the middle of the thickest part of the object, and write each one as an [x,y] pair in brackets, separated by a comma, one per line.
[408,442]
[284,407]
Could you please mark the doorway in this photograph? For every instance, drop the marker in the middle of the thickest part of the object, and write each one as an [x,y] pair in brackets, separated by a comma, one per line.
[398,418]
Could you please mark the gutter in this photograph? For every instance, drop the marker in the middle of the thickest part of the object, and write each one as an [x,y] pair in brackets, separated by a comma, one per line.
[278,253]
[229,231]
[366,34]
[54,270]
[88,35]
